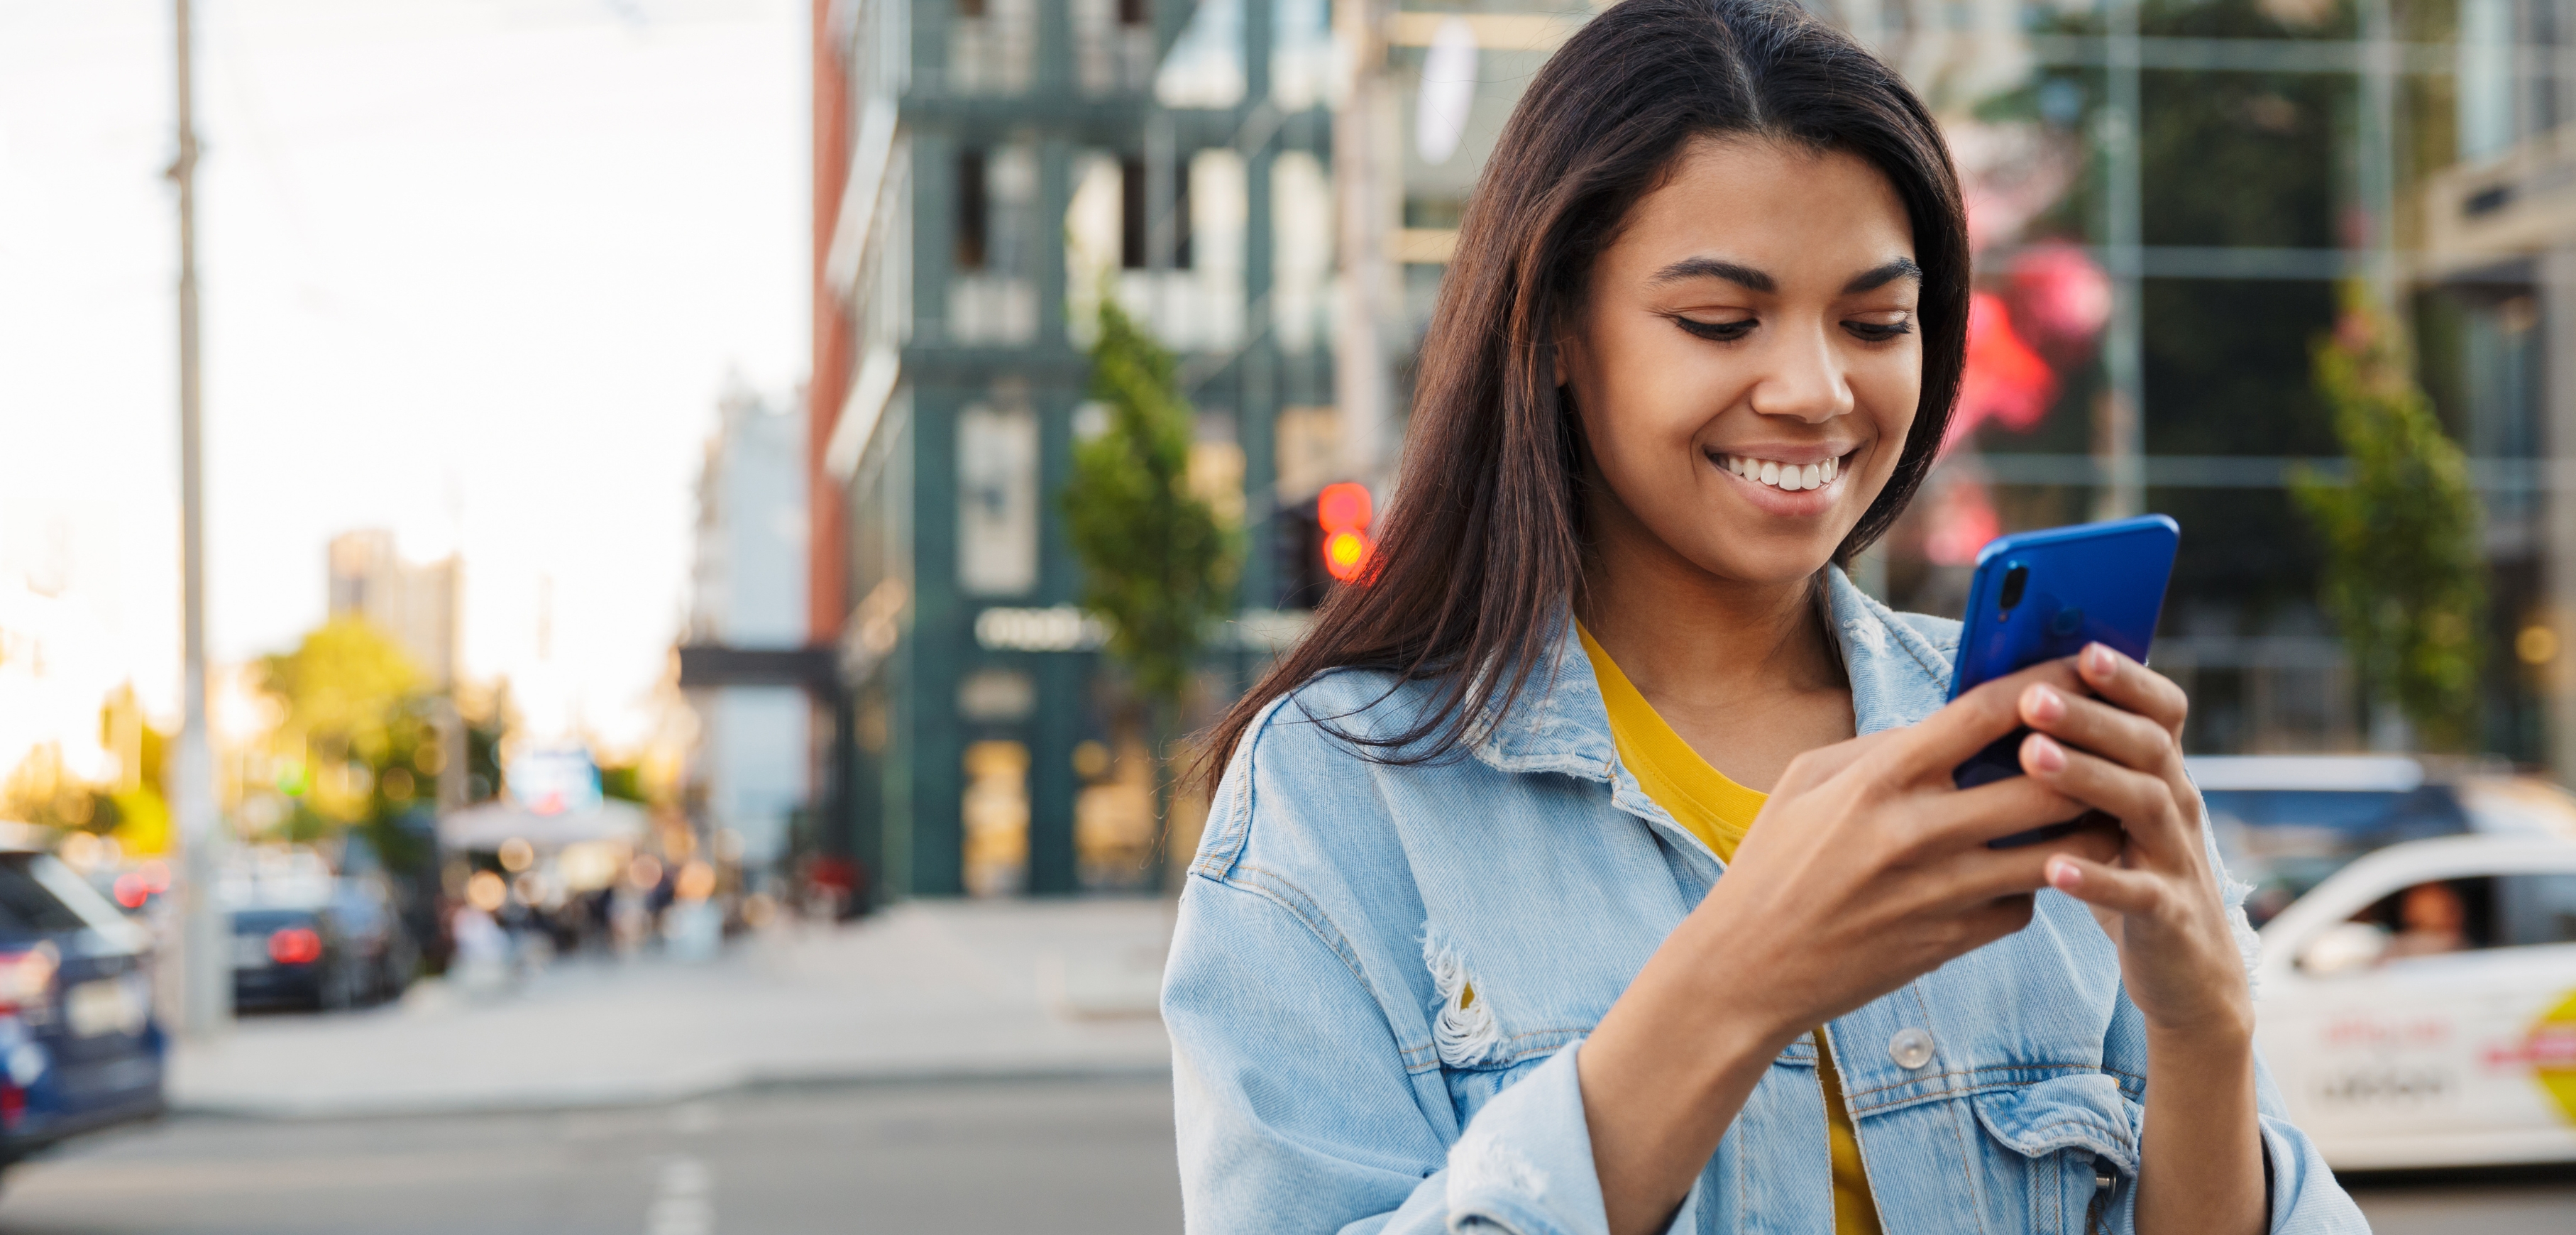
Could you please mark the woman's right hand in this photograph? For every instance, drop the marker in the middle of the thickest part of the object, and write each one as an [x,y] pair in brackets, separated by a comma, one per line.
[1866,869]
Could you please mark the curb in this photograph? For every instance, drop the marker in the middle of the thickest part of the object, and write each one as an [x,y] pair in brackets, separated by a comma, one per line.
[748,1080]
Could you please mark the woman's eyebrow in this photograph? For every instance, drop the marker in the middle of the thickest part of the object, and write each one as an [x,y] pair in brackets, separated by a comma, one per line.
[1880,276]
[1689,268]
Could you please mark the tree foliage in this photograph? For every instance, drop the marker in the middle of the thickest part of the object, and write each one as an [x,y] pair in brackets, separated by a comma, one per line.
[1159,565]
[357,737]
[2403,578]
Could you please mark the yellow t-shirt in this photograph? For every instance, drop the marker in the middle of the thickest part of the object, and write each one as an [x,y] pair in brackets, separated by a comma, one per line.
[1720,812]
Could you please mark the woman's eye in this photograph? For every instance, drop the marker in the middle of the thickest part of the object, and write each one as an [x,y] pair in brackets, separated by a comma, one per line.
[1880,332]
[1722,331]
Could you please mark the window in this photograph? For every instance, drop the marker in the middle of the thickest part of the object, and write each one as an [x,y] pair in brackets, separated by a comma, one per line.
[1137,215]
[2535,910]
[27,906]
[2443,916]
[974,211]
[997,497]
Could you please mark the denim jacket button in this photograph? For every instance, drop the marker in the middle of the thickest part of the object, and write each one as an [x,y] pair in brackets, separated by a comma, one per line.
[1911,1048]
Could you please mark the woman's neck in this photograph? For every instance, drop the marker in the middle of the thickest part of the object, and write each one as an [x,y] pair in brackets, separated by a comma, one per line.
[1689,639]
[1745,672]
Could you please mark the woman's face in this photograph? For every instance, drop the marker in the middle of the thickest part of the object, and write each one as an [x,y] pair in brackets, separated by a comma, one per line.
[1746,361]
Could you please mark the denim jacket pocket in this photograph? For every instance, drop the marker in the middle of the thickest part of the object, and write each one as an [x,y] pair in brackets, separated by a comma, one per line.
[2073,1142]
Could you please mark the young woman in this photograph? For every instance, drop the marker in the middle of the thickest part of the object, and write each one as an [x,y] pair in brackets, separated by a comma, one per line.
[1594,864]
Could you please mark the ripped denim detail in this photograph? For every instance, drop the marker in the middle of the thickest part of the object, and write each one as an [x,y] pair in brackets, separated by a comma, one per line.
[1463,1027]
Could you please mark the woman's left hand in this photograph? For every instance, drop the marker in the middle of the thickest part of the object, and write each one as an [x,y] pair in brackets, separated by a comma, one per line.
[2160,898]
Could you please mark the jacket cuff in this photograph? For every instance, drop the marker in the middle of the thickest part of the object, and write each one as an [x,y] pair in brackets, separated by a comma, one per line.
[2305,1198]
[1524,1164]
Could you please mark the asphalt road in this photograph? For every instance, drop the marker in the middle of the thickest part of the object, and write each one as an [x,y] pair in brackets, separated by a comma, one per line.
[1071,1157]
[1068,1157]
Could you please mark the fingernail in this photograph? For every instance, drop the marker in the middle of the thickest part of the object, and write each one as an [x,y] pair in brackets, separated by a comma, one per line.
[2097,660]
[2044,755]
[2045,704]
[2063,875]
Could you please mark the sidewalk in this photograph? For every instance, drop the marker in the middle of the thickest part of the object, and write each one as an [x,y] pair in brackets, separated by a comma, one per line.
[928,990]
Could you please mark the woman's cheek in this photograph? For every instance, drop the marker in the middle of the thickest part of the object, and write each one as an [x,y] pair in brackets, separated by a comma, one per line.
[1890,392]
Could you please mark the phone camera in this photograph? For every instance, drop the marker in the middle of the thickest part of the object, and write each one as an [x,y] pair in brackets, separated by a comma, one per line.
[2016,578]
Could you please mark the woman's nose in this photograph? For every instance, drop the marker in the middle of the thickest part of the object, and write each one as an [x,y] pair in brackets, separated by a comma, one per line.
[1804,380]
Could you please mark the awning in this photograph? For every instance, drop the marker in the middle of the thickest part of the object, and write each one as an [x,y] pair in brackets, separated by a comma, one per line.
[484,828]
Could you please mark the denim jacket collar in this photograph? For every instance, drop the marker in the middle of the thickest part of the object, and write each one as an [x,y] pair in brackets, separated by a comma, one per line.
[1560,725]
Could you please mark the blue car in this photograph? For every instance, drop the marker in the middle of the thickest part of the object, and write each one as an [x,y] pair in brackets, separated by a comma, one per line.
[80,1049]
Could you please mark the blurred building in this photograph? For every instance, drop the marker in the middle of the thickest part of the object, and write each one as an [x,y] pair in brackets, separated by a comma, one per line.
[986,171]
[751,767]
[415,603]
[2163,197]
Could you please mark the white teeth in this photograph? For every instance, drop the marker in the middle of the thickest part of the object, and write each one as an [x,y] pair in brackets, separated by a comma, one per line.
[1788,478]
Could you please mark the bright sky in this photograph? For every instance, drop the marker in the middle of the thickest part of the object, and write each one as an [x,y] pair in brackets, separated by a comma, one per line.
[474,270]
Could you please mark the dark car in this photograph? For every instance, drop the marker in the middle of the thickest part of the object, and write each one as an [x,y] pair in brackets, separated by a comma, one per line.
[80,1048]
[305,938]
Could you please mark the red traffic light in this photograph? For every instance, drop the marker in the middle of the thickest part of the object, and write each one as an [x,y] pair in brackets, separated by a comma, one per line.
[1342,512]
[1343,507]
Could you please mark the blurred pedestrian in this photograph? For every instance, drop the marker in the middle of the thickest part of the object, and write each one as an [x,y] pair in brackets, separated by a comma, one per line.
[1483,934]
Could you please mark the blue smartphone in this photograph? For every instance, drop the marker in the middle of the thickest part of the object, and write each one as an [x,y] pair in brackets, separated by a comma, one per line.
[2037,596]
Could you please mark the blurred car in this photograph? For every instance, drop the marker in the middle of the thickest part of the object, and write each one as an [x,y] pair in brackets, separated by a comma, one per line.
[304,937]
[2287,822]
[2418,1006]
[80,1048]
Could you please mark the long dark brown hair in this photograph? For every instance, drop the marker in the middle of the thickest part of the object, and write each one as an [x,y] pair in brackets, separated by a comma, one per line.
[1481,548]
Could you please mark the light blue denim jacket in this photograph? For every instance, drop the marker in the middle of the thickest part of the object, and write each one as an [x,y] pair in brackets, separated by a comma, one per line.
[1327,1079]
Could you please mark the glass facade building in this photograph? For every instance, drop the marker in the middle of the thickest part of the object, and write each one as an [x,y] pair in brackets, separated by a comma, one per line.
[2168,200]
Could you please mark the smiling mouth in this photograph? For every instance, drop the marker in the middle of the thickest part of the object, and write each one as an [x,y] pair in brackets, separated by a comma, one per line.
[1787,477]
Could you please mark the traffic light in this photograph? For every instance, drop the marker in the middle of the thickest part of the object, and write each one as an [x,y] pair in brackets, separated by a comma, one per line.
[1342,516]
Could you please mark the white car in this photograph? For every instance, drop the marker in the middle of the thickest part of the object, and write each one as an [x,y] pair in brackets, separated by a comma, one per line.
[2286,822]
[2418,1006]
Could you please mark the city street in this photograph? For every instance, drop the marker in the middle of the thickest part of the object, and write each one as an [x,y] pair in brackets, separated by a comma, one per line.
[961,1158]
[953,1158]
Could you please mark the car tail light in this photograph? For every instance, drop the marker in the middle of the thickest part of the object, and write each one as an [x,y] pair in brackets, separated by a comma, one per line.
[27,978]
[295,945]
[13,1106]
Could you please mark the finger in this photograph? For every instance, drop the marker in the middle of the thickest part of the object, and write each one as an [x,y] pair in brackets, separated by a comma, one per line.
[1967,818]
[2116,734]
[1992,921]
[2129,893]
[2142,802]
[2133,686]
[1980,875]
[1969,723]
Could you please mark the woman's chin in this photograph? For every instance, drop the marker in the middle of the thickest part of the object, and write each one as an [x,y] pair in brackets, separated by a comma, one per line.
[1768,561]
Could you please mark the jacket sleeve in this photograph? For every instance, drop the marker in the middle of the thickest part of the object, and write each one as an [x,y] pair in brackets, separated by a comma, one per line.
[2305,1197]
[1299,1110]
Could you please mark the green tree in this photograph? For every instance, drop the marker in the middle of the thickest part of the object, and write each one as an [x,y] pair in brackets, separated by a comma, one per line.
[358,738]
[1159,564]
[2403,576]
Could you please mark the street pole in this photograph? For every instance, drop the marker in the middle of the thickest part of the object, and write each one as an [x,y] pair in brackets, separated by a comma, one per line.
[2119,431]
[205,932]
[1361,384]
